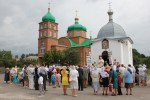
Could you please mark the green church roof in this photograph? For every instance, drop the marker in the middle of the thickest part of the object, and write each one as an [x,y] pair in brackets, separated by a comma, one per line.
[85,43]
[76,26]
[48,17]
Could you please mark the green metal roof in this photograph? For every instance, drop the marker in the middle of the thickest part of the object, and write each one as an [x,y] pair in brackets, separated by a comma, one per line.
[48,17]
[76,26]
[83,44]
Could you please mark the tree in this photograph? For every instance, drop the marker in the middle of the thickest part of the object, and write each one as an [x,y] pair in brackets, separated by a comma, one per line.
[140,58]
[6,59]
[68,56]
[23,56]
[53,57]
[72,57]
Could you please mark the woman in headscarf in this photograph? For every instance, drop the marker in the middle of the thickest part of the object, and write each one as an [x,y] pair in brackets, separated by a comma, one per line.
[31,76]
[114,80]
[105,78]
[7,75]
[95,75]
[74,80]
[128,81]
[65,83]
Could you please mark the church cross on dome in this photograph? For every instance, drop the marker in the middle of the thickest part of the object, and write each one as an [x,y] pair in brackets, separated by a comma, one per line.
[76,18]
[110,12]
[109,5]
[49,6]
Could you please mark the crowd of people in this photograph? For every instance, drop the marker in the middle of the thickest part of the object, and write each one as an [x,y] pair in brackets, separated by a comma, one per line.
[112,78]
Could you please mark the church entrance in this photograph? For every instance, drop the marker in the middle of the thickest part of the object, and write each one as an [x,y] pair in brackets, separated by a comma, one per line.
[105,57]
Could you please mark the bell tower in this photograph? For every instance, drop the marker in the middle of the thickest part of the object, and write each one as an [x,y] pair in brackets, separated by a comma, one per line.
[48,33]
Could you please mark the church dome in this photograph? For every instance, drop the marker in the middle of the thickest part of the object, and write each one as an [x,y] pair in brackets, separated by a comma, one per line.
[76,26]
[111,29]
[48,17]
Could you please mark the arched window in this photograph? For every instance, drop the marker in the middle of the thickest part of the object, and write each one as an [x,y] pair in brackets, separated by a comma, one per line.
[41,34]
[78,33]
[54,27]
[42,50]
[45,26]
[55,34]
[50,26]
[41,26]
[70,33]
[45,33]
[50,33]
[43,43]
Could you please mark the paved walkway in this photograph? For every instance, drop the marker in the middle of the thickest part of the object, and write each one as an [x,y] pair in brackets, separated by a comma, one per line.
[17,92]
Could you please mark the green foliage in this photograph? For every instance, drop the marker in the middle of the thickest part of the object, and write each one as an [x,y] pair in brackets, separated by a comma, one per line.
[140,58]
[72,57]
[6,59]
[68,56]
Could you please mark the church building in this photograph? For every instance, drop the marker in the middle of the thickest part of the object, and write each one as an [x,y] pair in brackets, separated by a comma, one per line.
[76,37]
[112,43]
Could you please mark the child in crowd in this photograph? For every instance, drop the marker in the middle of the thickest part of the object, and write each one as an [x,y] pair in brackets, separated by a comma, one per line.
[40,82]
[120,80]
[53,79]
[58,78]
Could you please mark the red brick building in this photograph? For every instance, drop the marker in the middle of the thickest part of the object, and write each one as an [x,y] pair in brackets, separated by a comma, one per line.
[76,37]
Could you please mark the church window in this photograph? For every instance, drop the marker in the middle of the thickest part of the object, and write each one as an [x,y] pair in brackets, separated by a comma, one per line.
[43,43]
[55,34]
[50,26]
[41,26]
[45,26]
[44,33]
[50,33]
[78,33]
[42,50]
[54,27]
[70,33]
[41,34]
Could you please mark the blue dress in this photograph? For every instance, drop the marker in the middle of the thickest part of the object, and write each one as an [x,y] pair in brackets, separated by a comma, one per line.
[15,78]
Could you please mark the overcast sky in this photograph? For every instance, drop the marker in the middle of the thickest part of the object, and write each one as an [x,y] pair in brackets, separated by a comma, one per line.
[19,20]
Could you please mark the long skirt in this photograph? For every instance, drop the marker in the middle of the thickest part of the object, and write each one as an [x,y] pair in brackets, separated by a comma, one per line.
[95,86]
[31,82]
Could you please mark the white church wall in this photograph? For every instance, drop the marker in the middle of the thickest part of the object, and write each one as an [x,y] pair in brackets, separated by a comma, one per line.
[125,52]
[130,60]
[122,52]
[115,48]
[96,51]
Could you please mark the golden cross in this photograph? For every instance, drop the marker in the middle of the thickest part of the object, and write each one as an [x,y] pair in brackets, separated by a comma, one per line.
[76,13]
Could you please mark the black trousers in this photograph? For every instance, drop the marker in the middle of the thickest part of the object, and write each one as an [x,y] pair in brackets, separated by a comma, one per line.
[80,83]
[36,83]
[119,90]
[44,81]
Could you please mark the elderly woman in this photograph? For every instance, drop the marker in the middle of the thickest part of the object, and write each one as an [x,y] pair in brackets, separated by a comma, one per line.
[114,80]
[7,76]
[74,80]
[128,81]
[95,75]
[65,83]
